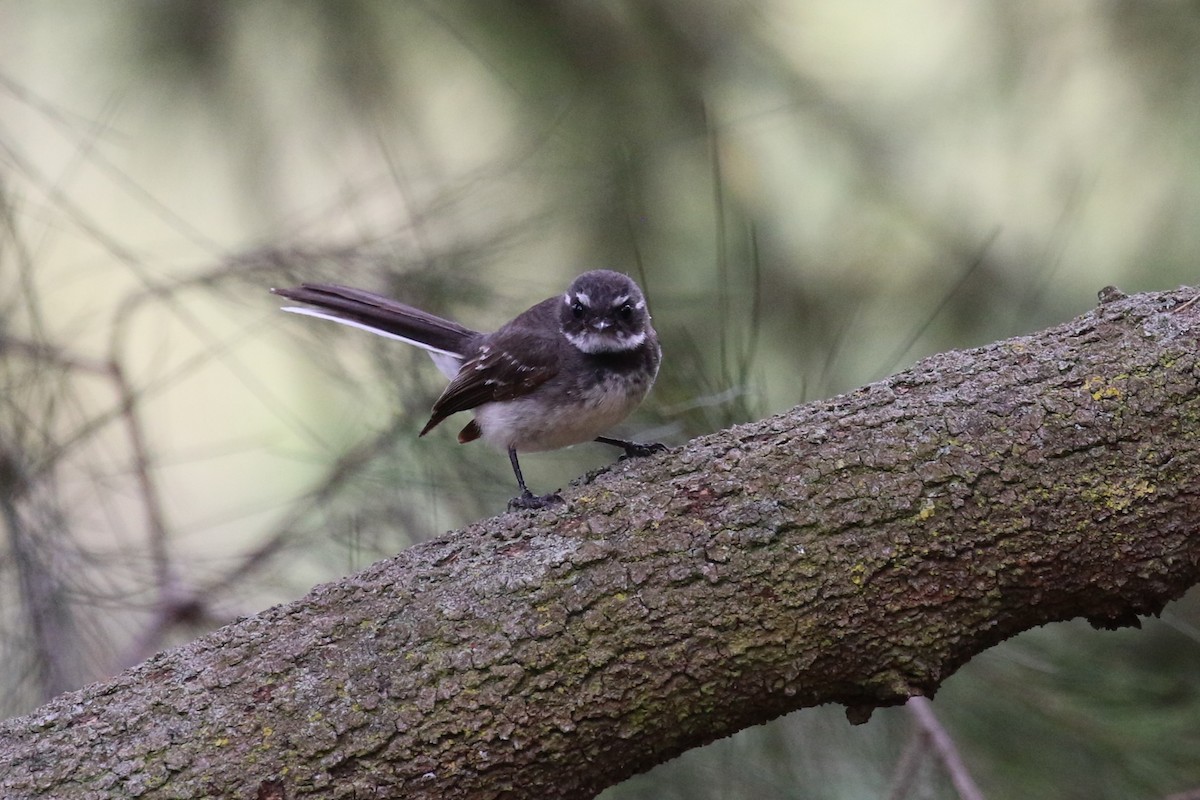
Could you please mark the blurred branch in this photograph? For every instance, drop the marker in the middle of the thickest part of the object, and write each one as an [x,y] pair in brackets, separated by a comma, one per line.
[931,732]
[41,592]
[857,550]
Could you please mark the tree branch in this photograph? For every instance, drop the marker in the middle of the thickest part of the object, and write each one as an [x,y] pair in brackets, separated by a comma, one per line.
[857,550]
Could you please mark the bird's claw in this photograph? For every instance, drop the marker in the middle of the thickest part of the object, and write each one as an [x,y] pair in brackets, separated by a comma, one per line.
[528,500]
[636,450]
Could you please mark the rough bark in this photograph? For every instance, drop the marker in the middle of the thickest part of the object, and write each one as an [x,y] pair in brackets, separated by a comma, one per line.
[856,550]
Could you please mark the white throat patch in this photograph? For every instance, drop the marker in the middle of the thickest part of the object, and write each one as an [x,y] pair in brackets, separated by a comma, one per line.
[605,342]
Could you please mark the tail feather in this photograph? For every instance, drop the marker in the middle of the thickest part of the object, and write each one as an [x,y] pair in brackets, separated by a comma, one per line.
[444,339]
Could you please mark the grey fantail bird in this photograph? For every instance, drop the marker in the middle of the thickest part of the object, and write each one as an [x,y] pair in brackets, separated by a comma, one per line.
[561,373]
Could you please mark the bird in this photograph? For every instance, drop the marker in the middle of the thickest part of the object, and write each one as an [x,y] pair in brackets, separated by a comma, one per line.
[562,372]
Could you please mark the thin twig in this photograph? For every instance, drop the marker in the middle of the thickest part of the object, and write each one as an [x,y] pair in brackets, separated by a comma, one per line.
[906,768]
[943,746]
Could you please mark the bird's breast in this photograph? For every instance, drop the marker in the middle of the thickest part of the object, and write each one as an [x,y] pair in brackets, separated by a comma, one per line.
[561,416]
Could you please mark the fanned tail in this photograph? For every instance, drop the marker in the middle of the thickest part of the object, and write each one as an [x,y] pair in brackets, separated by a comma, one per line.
[444,339]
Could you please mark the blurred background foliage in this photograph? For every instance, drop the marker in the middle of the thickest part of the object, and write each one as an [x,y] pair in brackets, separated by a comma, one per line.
[814,193]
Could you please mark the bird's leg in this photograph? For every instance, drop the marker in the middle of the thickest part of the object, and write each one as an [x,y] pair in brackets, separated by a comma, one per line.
[528,499]
[633,449]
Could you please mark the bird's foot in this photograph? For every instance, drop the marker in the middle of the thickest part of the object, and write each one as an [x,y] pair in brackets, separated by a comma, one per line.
[638,450]
[529,500]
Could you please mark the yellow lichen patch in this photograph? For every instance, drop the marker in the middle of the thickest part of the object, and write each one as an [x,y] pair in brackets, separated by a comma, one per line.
[928,509]
[1099,388]
[1119,497]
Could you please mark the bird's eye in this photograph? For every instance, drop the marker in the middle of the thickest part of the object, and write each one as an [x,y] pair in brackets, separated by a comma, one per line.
[625,312]
[577,309]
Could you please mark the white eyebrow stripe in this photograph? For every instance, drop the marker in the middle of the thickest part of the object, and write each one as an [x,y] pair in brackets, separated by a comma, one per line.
[620,301]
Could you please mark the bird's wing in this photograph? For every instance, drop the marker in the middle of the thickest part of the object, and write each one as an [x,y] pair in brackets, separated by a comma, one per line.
[511,363]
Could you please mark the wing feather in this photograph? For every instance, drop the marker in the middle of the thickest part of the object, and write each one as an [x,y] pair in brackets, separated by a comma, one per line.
[495,374]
